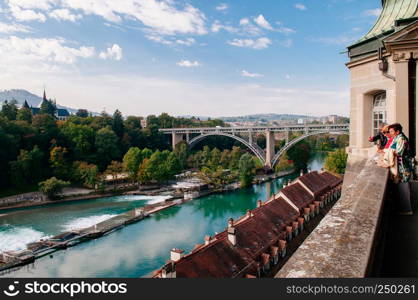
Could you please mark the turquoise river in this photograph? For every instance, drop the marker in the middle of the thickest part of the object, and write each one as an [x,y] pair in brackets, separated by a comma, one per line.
[135,250]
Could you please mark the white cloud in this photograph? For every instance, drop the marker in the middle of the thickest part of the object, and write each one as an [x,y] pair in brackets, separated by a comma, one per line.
[11,28]
[14,50]
[372,12]
[186,42]
[64,14]
[188,64]
[245,73]
[300,6]
[257,44]
[171,41]
[288,76]
[159,39]
[222,7]
[262,22]
[339,40]
[285,30]
[244,21]
[26,15]
[32,4]
[164,16]
[115,52]
[217,26]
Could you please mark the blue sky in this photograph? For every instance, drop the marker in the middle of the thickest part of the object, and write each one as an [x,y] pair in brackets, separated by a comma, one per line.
[184,57]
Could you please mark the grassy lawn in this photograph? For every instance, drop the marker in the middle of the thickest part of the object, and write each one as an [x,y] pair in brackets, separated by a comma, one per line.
[15,191]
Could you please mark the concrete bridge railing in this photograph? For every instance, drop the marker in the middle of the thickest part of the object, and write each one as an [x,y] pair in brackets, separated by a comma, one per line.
[343,243]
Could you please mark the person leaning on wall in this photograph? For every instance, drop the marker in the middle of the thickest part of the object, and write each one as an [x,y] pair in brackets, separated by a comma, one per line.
[401,149]
[381,138]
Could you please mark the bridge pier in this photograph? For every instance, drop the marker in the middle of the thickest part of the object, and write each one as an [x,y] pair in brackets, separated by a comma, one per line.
[269,148]
[176,138]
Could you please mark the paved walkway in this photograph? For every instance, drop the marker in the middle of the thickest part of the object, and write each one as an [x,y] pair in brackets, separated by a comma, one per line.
[400,255]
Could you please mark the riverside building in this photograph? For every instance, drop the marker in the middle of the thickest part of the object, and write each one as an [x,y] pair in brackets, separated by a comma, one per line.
[252,245]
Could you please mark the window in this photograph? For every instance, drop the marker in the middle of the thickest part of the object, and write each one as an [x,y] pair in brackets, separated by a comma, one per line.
[379,111]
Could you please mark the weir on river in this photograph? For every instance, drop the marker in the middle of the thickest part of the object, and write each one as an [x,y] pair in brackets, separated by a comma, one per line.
[137,249]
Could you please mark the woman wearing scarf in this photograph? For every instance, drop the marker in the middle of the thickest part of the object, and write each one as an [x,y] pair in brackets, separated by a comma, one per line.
[400,145]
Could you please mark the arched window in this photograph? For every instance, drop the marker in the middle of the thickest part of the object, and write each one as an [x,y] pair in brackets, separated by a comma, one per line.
[379,111]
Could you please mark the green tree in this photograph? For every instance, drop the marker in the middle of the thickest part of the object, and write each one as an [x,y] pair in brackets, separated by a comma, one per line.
[205,156]
[234,158]
[117,123]
[82,113]
[173,166]
[85,173]
[217,178]
[81,139]
[336,161]
[131,162]
[182,152]
[144,177]
[146,153]
[60,163]
[46,129]
[246,170]
[284,164]
[52,187]
[9,109]
[48,108]
[225,159]
[107,147]
[24,114]
[27,169]
[300,154]
[157,167]
[133,136]
[215,158]
[114,169]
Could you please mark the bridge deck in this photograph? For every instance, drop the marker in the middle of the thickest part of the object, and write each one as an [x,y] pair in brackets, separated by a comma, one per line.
[246,129]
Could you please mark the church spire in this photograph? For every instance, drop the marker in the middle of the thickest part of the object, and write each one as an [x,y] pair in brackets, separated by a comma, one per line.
[25,104]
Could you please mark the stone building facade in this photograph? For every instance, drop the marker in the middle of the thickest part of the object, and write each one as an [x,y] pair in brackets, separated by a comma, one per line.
[383,76]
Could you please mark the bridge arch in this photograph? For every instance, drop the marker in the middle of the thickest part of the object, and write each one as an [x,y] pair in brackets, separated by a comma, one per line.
[299,139]
[253,147]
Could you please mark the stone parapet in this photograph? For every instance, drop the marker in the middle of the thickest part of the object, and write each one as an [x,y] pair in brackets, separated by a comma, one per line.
[342,244]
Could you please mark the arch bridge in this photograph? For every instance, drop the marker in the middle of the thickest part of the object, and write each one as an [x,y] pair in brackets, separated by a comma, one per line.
[244,135]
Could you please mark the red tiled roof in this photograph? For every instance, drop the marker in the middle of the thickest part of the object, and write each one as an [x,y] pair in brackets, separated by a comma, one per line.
[258,235]
[219,259]
[255,235]
[314,182]
[298,195]
[331,179]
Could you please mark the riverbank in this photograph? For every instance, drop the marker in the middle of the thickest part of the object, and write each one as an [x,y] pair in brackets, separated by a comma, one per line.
[35,250]
[35,199]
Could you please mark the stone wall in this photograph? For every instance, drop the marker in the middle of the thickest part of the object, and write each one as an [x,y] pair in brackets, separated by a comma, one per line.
[342,245]
[34,197]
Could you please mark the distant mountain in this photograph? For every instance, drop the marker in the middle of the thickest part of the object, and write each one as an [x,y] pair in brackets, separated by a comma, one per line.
[21,95]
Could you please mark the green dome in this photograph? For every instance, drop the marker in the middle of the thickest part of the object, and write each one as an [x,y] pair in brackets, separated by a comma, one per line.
[393,10]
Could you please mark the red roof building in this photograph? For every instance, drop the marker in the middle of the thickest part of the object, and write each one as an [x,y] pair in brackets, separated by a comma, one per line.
[251,245]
